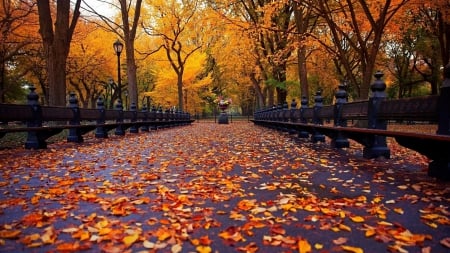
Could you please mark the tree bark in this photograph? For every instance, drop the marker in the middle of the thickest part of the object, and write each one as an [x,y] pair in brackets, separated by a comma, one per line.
[129,32]
[56,43]
[302,17]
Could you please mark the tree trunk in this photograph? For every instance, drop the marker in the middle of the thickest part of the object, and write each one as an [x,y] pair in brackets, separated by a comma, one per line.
[259,94]
[302,17]
[303,72]
[56,43]
[131,75]
[365,85]
[180,90]
[129,33]
[270,96]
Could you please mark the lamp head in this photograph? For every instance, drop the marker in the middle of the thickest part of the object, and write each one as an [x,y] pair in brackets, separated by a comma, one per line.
[118,47]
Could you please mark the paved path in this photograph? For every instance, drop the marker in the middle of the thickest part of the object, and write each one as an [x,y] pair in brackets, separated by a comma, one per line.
[218,188]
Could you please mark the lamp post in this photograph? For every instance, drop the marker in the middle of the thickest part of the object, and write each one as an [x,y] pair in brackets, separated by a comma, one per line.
[118,47]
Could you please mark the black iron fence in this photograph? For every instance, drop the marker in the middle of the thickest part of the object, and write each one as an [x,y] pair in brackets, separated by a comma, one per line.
[42,122]
[370,119]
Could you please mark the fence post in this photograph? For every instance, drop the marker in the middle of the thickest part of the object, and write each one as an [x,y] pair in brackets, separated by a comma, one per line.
[100,131]
[153,118]
[134,128]
[303,120]
[119,120]
[440,167]
[144,127]
[34,138]
[293,109]
[376,145]
[318,104]
[74,133]
[339,141]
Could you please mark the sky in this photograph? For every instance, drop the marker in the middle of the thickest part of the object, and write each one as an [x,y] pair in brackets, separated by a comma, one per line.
[101,6]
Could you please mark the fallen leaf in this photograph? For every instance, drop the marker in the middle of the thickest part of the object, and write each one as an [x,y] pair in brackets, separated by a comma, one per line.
[357,219]
[446,242]
[340,240]
[203,249]
[304,246]
[9,234]
[352,249]
[130,239]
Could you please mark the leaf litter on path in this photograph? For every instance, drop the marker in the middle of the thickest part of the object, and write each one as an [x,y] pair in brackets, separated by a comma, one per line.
[217,188]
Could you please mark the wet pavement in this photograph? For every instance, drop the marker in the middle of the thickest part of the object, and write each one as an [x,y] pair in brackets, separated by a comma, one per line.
[218,188]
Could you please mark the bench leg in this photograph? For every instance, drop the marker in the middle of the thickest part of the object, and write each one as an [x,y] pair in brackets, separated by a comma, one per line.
[35,140]
[440,169]
[75,135]
[340,141]
[376,147]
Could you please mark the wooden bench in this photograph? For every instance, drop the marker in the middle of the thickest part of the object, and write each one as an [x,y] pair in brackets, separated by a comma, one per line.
[42,122]
[371,117]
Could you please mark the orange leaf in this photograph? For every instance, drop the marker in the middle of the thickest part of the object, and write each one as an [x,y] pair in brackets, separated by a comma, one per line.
[163,234]
[352,249]
[304,246]
[370,232]
[246,204]
[68,247]
[9,234]
[204,240]
[344,227]
[104,231]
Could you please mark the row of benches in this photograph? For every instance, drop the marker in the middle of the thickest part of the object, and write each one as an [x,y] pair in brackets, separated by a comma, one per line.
[371,117]
[42,122]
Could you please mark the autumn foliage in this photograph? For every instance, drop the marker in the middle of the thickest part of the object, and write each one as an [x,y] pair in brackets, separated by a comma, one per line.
[259,53]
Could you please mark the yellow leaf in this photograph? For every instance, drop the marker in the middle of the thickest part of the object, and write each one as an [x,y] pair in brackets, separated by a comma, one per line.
[398,210]
[335,229]
[203,249]
[384,223]
[84,236]
[431,224]
[352,249]
[130,239]
[304,246]
[101,224]
[357,219]
[377,199]
[318,246]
